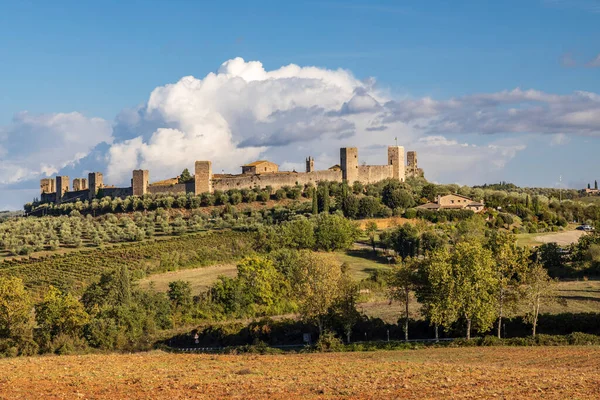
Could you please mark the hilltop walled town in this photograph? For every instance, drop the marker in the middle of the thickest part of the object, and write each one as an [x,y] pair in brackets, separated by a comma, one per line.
[259,174]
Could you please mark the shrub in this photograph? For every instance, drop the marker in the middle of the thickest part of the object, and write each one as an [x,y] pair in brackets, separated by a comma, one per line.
[328,342]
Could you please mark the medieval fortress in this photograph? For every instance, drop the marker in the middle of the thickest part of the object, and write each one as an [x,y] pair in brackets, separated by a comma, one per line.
[258,174]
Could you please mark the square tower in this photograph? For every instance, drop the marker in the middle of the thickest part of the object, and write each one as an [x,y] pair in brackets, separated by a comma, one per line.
[79,184]
[47,185]
[310,164]
[95,180]
[139,183]
[349,164]
[411,158]
[62,187]
[396,161]
[203,177]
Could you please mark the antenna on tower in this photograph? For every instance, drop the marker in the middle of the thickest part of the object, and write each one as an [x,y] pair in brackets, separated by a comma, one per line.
[560,189]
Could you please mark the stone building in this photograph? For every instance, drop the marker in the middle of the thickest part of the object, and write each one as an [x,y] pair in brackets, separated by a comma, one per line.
[258,174]
[453,202]
[260,167]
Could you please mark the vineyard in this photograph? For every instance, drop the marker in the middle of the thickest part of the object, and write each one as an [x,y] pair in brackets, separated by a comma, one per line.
[73,271]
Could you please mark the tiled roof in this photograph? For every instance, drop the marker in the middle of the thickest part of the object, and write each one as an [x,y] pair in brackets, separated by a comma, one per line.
[256,163]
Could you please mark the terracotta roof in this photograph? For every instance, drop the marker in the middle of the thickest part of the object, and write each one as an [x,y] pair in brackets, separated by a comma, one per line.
[256,163]
[457,195]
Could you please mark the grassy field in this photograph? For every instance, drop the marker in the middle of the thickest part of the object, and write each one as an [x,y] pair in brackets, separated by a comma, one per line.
[466,373]
[199,278]
[360,262]
[567,237]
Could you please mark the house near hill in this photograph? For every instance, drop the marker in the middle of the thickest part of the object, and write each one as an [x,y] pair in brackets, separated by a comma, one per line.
[453,202]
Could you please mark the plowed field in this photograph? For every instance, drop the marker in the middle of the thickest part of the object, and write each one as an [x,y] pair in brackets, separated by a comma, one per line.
[469,373]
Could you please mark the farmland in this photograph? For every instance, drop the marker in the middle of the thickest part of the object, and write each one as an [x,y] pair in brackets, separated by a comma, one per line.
[74,270]
[469,373]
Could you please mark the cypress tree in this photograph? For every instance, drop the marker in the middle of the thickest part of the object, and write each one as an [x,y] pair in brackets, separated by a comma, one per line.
[326,199]
[596,185]
[315,202]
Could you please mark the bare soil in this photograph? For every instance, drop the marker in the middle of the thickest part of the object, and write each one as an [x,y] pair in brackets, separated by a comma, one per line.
[442,373]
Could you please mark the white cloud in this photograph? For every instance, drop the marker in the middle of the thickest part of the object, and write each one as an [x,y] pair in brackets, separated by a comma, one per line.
[243,112]
[41,145]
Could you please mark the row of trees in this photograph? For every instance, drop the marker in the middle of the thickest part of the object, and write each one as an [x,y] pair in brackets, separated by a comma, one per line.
[477,280]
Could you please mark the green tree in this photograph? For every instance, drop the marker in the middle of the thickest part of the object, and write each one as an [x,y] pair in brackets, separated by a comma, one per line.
[59,314]
[318,288]
[345,305]
[323,197]
[334,232]
[466,281]
[394,196]
[185,176]
[298,234]
[315,202]
[15,310]
[509,263]
[406,241]
[180,296]
[401,281]
[371,230]
[538,290]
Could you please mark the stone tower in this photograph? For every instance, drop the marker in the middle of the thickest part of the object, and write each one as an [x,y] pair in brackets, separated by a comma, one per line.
[47,185]
[139,183]
[203,177]
[349,164]
[95,180]
[396,160]
[412,166]
[62,187]
[79,184]
[310,164]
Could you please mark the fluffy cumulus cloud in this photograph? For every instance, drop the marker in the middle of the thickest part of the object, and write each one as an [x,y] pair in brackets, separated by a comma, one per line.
[243,111]
[41,145]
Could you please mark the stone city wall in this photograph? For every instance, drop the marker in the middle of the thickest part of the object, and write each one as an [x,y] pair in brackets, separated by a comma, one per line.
[374,173]
[75,195]
[116,192]
[275,180]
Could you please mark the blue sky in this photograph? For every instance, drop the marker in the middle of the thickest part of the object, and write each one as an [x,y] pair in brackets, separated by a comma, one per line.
[97,59]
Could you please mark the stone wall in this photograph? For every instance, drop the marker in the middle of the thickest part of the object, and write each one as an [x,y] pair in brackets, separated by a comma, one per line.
[48,197]
[178,188]
[374,173]
[75,195]
[204,181]
[276,181]
[116,192]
